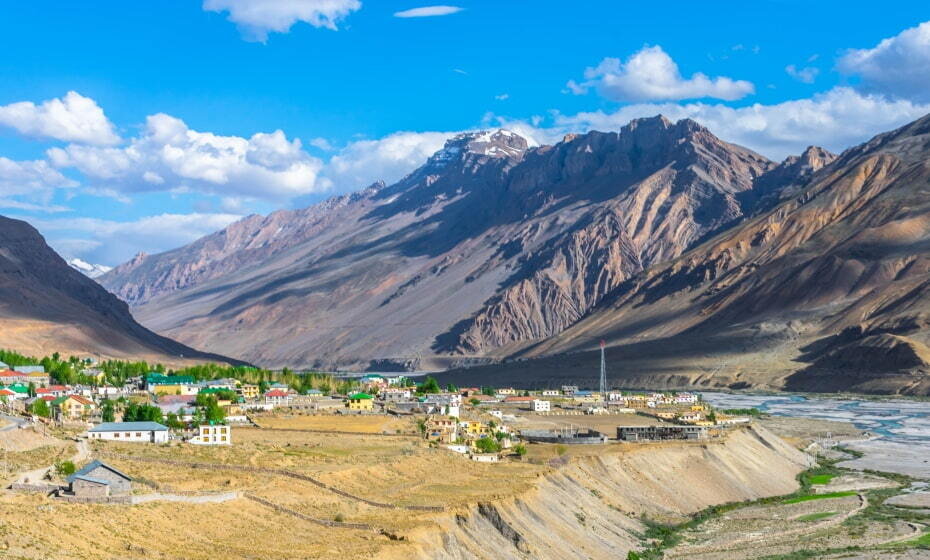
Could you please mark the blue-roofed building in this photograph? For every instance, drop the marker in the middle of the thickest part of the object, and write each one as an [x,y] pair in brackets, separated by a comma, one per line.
[29,369]
[134,432]
[99,480]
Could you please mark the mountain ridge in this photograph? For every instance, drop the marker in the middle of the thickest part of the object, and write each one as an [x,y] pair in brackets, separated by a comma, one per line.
[489,246]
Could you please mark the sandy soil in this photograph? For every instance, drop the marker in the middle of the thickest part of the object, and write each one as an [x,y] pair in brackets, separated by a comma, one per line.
[371,424]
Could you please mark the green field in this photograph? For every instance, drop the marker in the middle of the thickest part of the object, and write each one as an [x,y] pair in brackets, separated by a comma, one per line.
[811,497]
[821,478]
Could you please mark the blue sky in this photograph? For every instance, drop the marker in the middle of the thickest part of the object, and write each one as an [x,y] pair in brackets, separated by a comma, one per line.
[186,115]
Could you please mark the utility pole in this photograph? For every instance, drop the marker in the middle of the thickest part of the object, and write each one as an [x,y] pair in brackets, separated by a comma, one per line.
[603,373]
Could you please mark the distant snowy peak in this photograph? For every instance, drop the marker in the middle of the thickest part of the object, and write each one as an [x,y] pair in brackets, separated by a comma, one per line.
[90,270]
[492,143]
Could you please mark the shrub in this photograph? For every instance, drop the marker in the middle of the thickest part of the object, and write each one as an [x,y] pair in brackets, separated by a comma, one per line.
[65,468]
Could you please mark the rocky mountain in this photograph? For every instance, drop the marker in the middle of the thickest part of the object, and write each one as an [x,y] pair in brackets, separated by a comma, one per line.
[47,306]
[827,290]
[489,247]
[88,269]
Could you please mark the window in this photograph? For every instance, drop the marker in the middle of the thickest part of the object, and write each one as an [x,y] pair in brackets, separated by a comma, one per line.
[138,434]
[128,434]
[115,434]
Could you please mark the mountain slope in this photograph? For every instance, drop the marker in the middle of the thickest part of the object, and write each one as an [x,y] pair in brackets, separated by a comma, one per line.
[47,306]
[828,290]
[488,247]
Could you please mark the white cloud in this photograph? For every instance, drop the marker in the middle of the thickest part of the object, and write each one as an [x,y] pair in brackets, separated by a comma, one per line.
[73,118]
[835,119]
[805,75]
[652,75]
[390,158]
[111,242]
[321,143]
[256,18]
[428,11]
[898,66]
[502,97]
[169,156]
[30,185]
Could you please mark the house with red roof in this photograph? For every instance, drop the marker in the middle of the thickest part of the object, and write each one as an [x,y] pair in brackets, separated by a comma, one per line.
[277,397]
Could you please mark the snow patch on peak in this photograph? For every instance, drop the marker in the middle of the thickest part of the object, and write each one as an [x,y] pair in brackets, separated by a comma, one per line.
[88,269]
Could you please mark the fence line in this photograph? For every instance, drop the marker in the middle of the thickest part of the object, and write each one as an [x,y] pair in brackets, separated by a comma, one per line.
[263,470]
[305,517]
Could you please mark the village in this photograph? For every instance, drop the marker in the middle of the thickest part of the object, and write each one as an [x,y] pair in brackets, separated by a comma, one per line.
[481,424]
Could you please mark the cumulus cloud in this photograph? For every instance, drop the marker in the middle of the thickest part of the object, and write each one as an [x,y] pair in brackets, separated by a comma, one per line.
[897,66]
[110,242]
[390,158]
[652,75]
[73,118]
[30,185]
[805,75]
[256,18]
[836,119]
[169,156]
[428,11]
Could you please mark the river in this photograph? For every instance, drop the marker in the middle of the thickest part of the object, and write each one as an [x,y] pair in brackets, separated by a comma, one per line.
[900,428]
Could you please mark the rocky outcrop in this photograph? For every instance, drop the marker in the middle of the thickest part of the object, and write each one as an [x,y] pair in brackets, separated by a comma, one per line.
[47,306]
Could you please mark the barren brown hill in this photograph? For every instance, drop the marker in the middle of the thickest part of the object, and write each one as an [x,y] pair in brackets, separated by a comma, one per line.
[46,306]
[828,290]
[490,246]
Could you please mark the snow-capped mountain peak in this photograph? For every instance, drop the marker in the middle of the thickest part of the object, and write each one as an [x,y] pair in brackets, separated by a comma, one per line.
[88,269]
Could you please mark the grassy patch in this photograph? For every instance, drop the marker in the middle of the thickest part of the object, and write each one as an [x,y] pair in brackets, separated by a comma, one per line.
[821,478]
[816,516]
[811,497]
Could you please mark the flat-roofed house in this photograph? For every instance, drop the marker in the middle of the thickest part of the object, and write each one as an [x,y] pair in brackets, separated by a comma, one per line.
[136,432]
[219,434]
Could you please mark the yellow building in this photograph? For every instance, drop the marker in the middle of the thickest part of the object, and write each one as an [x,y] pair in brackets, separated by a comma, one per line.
[360,401]
[475,428]
[248,391]
[72,407]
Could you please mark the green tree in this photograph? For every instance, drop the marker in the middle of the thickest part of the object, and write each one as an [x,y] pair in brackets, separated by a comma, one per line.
[452,388]
[519,449]
[32,389]
[40,408]
[487,445]
[174,422]
[632,555]
[107,411]
[489,391]
[475,402]
[430,385]
[65,468]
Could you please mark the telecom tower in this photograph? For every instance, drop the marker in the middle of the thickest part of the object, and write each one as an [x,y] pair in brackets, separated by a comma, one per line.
[603,373]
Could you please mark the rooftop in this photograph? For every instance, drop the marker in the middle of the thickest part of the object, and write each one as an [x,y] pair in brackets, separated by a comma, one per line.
[128,427]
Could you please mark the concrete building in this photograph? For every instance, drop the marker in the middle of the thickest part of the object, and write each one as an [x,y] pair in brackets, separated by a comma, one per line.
[570,436]
[99,480]
[551,393]
[664,432]
[277,397]
[541,406]
[212,435]
[136,432]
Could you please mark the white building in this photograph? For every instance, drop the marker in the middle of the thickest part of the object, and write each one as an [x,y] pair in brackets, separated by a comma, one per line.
[541,405]
[485,457]
[212,435]
[497,414]
[551,393]
[136,432]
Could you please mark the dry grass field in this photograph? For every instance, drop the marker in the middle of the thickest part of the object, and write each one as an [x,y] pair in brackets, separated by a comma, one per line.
[370,424]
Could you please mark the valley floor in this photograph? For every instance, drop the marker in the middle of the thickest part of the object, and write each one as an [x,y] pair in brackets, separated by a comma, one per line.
[579,502]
